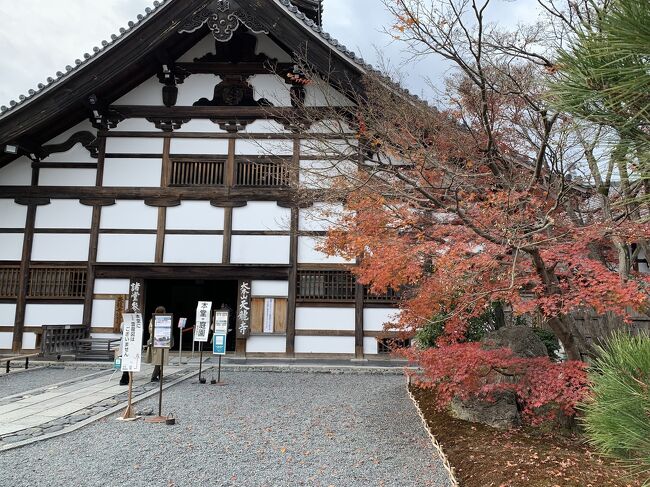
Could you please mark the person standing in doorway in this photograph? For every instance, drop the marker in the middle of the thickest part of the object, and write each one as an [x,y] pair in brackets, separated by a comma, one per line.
[157,353]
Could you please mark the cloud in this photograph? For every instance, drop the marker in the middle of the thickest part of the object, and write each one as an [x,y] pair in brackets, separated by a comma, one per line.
[41,37]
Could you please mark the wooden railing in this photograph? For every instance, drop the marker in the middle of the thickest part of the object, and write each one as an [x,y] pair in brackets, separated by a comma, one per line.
[332,286]
[390,296]
[57,282]
[9,277]
[262,174]
[58,339]
[197,173]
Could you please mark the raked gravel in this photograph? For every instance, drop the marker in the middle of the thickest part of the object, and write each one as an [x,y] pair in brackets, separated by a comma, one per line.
[18,381]
[262,429]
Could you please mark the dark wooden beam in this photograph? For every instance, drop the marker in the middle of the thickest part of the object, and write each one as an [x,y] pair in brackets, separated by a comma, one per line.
[217,195]
[293,262]
[23,279]
[358,320]
[94,238]
[183,271]
[239,69]
[224,112]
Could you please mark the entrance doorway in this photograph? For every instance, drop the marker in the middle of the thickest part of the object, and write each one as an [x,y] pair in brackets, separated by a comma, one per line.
[181,296]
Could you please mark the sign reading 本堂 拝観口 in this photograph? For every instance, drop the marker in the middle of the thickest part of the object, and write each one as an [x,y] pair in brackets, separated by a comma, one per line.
[202,326]
[132,342]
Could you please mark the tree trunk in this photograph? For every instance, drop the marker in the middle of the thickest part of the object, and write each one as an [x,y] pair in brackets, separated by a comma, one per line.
[561,326]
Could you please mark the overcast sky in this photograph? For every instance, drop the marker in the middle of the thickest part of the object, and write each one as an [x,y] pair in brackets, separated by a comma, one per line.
[40,37]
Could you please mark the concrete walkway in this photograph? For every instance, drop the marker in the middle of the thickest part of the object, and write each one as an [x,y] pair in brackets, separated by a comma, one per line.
[35,414]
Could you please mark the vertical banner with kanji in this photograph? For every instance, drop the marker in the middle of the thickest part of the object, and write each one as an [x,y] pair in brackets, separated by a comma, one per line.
[132,342]
[202,326]
[244,309]
[136,296]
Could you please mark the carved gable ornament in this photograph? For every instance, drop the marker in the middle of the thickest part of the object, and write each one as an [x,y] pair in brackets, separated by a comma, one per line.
[223,18]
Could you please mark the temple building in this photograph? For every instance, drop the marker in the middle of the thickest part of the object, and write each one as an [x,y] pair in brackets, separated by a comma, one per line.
[151,172]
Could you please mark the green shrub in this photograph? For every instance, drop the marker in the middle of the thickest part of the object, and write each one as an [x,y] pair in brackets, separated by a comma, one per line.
[617,416]
[550,341]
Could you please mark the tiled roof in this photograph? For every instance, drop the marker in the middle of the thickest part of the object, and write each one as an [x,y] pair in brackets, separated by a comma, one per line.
[149,12]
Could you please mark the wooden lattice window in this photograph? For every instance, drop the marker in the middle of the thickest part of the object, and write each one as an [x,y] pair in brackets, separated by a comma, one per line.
[390,296]
[388,345]
[317,285]
[57,282]
[265,174]
[197,173]
[9,277]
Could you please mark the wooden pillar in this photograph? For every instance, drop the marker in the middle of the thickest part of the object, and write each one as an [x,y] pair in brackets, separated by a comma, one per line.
[293,284]
[293,254]
[358,321]
[162,210]
[23,279]
[229,181]
[94,239]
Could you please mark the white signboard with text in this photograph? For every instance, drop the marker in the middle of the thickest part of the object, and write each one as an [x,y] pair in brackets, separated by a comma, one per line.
[132,342]
[269,312]
[202,327]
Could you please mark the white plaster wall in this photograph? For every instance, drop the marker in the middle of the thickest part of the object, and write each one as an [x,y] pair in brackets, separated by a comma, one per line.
[200,125]
[307,253]
[67,177]
[148,93]
[84,126]
[320,217]
[64,214]
[136,125]
[316,344]
[324,318]
[266,45]
[6,338]
[126,248]
[258,147]
[262,216]
[196,249]
[103,312]
[265,127]
[7,314]
[111,286]
[196,87]
[132,172]
[78,153]
[63,246]
[17,173]
[320,94]
[11,246]
[252,249]
[12,215]
[276,289]
[194,215]
[29,341]
[200,49]
[330,147]
[321,174]
[271,87]
[53,314]
[266,344]
[134,145]
[129,214]
[374,318]
[370,346]
[199,146]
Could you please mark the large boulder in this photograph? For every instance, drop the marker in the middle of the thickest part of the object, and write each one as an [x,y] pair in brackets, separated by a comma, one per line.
[500,410]
[522,340]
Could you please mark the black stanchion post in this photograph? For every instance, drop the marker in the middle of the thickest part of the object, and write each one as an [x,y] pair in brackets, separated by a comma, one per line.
[162,362]
[201,379]
[219,371]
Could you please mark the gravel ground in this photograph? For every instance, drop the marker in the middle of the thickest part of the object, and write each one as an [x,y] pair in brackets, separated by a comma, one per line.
[17,382]
[262,429]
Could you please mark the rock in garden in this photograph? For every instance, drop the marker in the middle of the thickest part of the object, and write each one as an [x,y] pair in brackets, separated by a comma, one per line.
[500,413]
